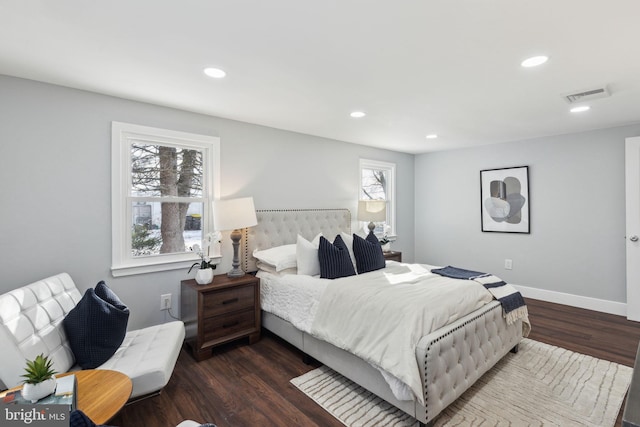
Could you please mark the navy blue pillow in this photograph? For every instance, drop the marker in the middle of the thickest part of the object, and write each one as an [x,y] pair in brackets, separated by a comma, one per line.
[105,292]
[334,259]
[368,253]
[80,419]
[96,326]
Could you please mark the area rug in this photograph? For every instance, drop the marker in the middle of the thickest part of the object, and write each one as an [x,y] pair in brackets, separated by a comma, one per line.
[541,385]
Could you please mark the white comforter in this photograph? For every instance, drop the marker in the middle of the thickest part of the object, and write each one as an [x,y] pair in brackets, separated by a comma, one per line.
[379,316]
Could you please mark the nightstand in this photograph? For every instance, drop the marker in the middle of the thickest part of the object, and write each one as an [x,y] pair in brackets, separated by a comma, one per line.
[393,255]
[224,310]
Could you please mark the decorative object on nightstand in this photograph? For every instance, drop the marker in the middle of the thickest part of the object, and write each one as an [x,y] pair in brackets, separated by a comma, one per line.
[204,274]
[384,241]
[372,211]
[223,311]
[234,214]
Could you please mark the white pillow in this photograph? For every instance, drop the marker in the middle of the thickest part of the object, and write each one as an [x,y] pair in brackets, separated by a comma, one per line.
[307,256]
[280,257]
[348,240]
[271,269]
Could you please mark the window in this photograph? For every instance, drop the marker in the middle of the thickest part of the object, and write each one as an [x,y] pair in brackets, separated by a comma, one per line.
[163,183]
[378,182]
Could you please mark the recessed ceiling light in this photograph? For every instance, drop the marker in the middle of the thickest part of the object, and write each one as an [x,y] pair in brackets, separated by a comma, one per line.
[580,109]
[534,61]
[216,73]
[431,136]
[357,114]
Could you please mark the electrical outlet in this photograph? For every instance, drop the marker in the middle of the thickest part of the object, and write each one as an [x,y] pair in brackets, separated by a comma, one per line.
[165,301]
[508,264]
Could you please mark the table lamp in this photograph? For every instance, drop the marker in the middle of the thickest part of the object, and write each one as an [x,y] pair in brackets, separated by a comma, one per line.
[234,214]
[372,211]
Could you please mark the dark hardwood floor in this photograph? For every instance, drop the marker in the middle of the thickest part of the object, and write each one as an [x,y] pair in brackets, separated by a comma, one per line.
[248,385]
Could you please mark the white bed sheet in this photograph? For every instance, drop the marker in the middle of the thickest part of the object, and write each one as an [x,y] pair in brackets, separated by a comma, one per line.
[292,297]
[295,298]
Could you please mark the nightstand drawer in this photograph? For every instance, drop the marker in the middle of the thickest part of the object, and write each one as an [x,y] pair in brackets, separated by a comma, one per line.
[228,324]
[393,256]
[228,300]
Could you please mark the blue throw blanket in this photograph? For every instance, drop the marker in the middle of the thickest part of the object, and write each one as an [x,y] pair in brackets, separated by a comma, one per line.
[457,273]
[513,305]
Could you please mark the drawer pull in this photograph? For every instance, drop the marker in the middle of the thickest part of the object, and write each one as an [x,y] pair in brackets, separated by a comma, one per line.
[230,324]
[230,301]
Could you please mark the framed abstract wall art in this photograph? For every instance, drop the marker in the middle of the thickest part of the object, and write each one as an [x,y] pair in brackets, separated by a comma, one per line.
[504,199]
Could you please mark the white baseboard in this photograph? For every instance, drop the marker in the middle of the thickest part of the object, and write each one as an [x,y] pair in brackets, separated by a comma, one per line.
[589,303]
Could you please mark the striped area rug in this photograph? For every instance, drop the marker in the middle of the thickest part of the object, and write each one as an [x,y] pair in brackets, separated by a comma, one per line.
[541,385]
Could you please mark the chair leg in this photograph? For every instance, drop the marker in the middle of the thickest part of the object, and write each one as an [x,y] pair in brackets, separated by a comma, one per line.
[143,397]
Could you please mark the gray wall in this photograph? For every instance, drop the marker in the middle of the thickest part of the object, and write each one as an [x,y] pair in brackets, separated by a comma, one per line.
[55,170]
[577,196]
[55,188]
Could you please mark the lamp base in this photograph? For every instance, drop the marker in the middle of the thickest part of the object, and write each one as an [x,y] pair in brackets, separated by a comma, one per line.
[371,226]
[236,271]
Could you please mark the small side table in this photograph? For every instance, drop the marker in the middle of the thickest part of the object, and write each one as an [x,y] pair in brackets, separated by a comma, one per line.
[224,310]
[101,392]
[393,256]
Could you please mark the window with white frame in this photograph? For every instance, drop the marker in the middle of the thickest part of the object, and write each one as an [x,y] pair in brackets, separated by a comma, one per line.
[378,182]
[163,183]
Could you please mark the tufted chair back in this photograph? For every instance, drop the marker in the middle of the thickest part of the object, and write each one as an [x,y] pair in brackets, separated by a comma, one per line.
[31,324]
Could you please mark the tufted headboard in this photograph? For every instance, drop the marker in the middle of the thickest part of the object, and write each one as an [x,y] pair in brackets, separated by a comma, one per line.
[281,227]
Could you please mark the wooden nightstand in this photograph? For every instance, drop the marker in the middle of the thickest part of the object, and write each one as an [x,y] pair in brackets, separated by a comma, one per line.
[393,256]
[224,310]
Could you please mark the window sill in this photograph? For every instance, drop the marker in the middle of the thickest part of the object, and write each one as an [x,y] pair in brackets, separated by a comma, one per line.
[154,267]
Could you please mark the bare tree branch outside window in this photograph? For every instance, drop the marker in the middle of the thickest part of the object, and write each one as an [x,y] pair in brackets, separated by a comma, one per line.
[158,173]
[374,184]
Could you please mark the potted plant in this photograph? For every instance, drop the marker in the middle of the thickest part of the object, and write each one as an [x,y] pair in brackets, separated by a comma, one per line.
[204,275]
[40,380]
[384,241]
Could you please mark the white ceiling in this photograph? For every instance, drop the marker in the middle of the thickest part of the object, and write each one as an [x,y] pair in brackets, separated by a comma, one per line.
[450,67]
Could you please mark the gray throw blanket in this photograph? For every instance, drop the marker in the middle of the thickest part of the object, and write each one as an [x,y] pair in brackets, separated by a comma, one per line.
[513,305]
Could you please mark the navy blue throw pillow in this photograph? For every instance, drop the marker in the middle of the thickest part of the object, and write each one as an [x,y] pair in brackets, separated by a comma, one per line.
[334,259]
[368,253]
[106,294]
[96,326]
[80,419]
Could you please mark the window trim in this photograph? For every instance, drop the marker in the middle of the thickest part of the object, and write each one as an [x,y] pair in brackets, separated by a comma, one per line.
[122,134]
[390,191]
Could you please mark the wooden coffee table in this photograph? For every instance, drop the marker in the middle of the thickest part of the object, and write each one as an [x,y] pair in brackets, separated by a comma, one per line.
[101,392]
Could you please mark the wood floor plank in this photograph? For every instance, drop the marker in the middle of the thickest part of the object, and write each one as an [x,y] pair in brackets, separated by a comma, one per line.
[248,385]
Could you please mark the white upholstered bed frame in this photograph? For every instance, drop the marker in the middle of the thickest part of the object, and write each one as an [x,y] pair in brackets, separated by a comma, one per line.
[451,358]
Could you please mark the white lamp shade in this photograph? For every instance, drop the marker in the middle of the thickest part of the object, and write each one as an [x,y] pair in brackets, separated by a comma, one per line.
[234,214]
[372,210]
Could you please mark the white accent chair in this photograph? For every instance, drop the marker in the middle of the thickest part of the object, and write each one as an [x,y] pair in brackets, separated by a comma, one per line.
[31,324]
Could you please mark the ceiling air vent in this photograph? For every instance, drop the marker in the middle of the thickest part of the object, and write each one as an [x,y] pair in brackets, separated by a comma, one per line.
[587,95]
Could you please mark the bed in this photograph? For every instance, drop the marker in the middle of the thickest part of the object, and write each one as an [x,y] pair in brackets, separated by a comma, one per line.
[449,360]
